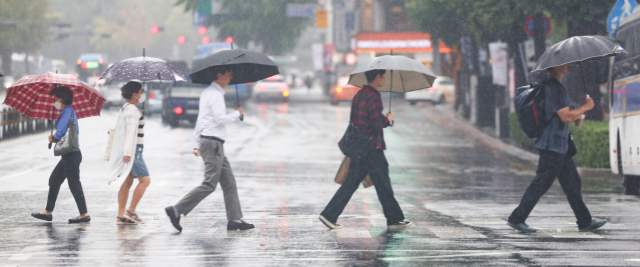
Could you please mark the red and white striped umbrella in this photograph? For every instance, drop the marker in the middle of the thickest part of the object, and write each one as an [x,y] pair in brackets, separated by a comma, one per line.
[30,96]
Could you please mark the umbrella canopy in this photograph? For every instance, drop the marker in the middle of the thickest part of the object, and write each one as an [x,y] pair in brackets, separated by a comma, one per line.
[576,50]
[30,96]
[407,74]
[247,66]
[143,69]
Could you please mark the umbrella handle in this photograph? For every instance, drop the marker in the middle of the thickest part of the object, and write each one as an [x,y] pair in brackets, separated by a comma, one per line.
[241,117]
[391,123]
[49,145]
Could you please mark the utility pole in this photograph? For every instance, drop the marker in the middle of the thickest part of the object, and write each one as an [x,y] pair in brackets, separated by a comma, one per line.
[329,8]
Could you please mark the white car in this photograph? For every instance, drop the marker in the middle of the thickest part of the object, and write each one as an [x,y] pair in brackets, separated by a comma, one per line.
[443,90]
[111,92]
[273,87]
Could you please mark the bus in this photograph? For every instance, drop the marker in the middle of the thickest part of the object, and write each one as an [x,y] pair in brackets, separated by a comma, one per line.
[624,91]
[90,65]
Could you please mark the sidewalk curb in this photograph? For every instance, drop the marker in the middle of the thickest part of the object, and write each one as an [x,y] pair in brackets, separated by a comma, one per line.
[515,156]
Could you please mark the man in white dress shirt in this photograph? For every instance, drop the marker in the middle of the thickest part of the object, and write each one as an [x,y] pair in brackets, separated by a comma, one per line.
[208,140]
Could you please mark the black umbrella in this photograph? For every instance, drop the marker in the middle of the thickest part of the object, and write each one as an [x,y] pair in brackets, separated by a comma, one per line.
[247,66]
[576,50]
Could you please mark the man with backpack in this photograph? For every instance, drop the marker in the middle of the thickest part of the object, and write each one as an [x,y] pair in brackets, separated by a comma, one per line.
[556,149]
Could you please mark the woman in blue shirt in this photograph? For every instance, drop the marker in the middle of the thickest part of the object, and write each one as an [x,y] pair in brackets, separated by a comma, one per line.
[69,165]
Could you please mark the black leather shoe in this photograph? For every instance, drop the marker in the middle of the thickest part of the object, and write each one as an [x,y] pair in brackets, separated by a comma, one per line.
[45,217]
[595,224]
[172,216]
[239,226]
[81,220]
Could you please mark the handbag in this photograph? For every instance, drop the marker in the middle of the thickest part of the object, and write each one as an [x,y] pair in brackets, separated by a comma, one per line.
[353,144]
[107,154]
[68,142]
[343,171]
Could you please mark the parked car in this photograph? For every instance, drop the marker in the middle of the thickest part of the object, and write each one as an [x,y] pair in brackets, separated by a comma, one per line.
[273,87]
[342,91]
[443,90]
[182,102]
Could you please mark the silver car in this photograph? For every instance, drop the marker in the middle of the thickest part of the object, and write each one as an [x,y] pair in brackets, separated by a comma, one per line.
[273,87]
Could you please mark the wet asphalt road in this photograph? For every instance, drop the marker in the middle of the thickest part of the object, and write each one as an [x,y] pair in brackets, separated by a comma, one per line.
[284,156]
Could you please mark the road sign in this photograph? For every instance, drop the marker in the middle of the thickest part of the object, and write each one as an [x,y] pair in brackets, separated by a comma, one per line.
[301,10]
[327,56]
[528,25]
[321,18]
[621,10]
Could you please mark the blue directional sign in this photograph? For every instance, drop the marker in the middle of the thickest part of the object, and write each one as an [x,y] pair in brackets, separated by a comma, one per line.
[621,10]
[301,10]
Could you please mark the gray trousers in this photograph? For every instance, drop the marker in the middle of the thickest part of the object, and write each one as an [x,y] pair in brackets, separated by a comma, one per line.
[216,170]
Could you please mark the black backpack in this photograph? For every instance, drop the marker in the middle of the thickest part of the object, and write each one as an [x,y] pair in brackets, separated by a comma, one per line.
[529,103]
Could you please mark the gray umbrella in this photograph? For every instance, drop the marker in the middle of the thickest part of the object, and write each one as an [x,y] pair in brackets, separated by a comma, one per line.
[410,75]
[576,50]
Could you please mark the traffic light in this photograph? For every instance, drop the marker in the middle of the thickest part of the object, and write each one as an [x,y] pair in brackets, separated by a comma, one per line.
[202,30]
[181,39]
[155,29]
[229,40]
[205,40]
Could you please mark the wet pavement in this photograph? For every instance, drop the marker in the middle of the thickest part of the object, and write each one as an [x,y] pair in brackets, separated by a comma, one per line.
[457,191]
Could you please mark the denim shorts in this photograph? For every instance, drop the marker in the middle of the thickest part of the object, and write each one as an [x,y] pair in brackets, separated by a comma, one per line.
[139,168]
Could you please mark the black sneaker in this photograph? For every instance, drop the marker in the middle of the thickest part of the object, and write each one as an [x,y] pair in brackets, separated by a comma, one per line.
[399,225]
[242,225]
[330,224]
[80,220]
[172,216]
[595,224]
[40,216]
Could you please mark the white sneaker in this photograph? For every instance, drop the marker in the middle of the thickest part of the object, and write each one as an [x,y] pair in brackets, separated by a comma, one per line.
[330,224]
[400,225]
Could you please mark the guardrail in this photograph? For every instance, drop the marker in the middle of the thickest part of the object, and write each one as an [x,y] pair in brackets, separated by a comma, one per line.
[14,124]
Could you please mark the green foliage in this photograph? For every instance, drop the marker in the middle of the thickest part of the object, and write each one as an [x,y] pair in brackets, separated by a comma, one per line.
[31,28]
[263,21]
[591,140]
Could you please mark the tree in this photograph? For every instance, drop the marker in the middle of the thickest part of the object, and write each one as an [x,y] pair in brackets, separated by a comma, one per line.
[262,21]
[29,31]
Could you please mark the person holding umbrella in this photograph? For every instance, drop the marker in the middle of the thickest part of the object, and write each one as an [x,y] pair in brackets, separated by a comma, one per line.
[209,136]
[219,70]
[367,117]
[69,165]
[126,158]
[555,145]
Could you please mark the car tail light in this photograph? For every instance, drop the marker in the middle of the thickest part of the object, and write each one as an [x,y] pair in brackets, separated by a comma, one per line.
[152,95]
[178,110]
[431,89]
[285,93]
[339,89]
[248,84]
[283,87]
[261,87]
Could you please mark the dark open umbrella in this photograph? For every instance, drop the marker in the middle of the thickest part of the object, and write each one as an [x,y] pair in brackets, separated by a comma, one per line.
[247,66]
[410,75]
[576,50]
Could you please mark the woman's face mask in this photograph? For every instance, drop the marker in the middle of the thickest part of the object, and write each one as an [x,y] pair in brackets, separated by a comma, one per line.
[143,96]
[57,105]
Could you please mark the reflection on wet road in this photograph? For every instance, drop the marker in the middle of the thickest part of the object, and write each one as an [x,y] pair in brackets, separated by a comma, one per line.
[285,157]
